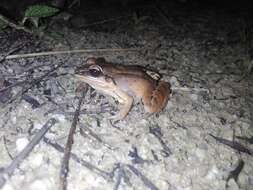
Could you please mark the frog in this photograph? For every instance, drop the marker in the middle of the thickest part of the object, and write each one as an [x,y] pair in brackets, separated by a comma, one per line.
[128,84]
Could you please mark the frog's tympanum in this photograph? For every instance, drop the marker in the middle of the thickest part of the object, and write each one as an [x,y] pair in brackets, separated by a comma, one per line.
[127,84]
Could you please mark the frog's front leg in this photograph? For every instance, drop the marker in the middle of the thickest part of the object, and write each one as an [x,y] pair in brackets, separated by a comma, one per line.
[126,102]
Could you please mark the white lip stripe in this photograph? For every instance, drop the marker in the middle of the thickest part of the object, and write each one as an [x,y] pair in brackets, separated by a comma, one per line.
[90,80]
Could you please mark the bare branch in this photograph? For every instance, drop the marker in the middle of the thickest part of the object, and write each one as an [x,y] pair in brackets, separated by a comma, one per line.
[13,25]
[84,163]
[67,152]
[71,52]
[8,171]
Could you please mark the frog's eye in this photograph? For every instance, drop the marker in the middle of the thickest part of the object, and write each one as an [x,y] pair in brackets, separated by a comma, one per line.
[94,72]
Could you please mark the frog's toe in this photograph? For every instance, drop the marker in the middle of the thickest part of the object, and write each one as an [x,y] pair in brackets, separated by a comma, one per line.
[107,108]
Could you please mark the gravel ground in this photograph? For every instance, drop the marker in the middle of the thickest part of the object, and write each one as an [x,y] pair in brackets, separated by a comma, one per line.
[205,57]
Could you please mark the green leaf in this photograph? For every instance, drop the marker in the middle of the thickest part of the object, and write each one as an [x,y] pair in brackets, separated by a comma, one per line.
[40,11]
[2,25]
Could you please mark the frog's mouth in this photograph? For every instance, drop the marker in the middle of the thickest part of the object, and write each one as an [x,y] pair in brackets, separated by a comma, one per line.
[81,71]
[96,82]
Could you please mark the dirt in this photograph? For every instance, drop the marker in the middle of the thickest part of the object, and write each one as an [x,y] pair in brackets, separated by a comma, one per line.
[205,57]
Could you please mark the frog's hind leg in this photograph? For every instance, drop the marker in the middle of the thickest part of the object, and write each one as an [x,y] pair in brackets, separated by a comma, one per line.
[126,102]
[154,102]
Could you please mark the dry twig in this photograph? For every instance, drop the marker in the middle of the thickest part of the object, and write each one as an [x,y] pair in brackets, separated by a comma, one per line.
[18,47]
[143,178]
[234,174]
[71,52]
[31,83]
[233,144]
[67,151]
[86,131]
[8,171]
[13,25]
[84,163]
[156,131]
[105,21]
[122,174]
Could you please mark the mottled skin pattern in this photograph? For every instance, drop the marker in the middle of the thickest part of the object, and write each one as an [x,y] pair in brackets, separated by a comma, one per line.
[126,84]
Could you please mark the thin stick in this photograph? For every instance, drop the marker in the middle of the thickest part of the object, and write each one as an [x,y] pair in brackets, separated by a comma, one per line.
[13,85]
[104,21]
[86,131]
[18,47]
[121,176]
[84,163]
[143,178]
[7,150]
[70,52]
[8,171]
[13,25]
[234,174]
[233,144]
[31,84]
[67,152]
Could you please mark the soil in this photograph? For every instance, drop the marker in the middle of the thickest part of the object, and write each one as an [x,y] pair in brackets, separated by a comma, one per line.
[205,55]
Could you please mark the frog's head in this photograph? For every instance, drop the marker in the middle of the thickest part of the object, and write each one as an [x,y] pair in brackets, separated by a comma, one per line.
[93,74]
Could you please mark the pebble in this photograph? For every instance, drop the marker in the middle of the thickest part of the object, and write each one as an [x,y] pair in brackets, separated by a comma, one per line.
[21,143]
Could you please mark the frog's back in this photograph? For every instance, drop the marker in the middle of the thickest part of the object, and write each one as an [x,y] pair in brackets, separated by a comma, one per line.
[134,85]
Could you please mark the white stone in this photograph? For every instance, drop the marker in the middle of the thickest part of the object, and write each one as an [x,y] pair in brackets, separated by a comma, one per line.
[200,153]
[40,184]
[174,81]
[60,117]
[7,187]
[212,173]
[37,126]
[21,143]
[36,160]
[14,119]
[194,97]
[232,185]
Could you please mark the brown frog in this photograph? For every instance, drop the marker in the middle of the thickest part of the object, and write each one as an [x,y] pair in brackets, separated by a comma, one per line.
[126,84]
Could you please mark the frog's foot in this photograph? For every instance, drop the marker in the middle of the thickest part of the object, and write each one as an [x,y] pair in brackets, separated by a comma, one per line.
[126,102]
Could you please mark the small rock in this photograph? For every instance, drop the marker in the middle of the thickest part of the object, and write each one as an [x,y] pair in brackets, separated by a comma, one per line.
[194,97]
[60,117]
[37,160]
[212,173]
[40,184]
[200,153]
[37,126]
[21,143]
[8,187]
[232,185]
[174,81]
